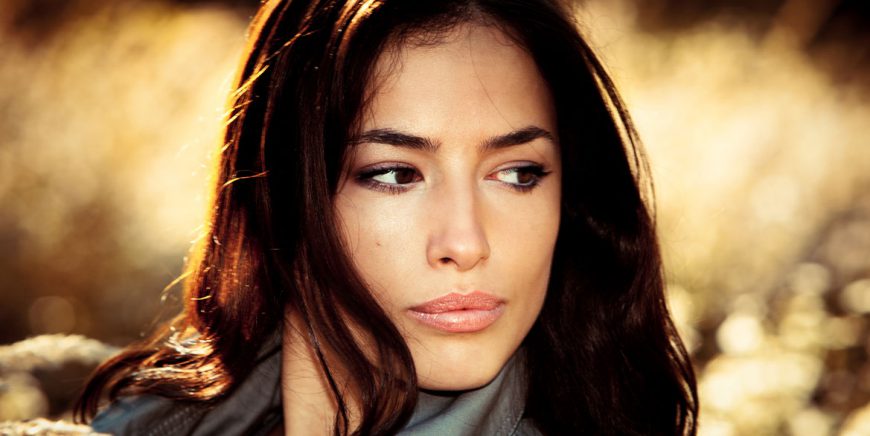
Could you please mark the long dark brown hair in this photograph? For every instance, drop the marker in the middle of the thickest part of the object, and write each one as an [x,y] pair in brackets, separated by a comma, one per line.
[603,357]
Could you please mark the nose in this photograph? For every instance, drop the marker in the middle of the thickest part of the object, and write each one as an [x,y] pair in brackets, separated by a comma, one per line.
[457,237]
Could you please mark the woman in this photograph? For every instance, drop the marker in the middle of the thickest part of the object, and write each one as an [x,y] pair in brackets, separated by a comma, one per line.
[428,217]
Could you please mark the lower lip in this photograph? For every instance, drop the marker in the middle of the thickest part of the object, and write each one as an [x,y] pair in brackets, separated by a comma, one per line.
[459,321]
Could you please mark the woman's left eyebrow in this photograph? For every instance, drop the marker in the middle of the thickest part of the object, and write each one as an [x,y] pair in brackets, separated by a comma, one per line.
[517,137]
[400,139]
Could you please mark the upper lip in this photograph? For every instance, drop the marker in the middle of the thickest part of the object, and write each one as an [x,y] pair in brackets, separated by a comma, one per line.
[476,300]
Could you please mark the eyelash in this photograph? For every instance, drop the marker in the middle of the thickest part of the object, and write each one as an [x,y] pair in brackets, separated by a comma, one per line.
[536,171]
[366,177]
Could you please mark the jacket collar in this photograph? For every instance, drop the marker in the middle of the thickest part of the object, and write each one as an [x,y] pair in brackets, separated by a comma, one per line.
[254,407]
[495,408]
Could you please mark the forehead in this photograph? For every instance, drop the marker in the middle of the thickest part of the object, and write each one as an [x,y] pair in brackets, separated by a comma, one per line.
[474,82]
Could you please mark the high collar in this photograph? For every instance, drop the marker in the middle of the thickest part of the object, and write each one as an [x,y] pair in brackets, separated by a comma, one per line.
[254,408]
[494,409]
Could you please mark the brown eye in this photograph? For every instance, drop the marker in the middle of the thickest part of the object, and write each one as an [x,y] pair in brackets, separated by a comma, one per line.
[403,176]
[522,178]
[396,176]
[392,177]
[525,178]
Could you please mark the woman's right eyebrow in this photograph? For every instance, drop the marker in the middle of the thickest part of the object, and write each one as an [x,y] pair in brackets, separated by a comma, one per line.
[396,138]
[401,139]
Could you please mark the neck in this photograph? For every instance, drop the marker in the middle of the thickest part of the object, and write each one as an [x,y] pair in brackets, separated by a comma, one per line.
[310,406]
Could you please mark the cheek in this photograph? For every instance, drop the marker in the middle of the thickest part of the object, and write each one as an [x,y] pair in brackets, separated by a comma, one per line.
[380,233]
[524,236]
[369,223]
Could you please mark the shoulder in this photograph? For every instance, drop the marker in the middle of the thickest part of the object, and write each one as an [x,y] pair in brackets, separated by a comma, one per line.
[147,415]
[249,408]
[252,407]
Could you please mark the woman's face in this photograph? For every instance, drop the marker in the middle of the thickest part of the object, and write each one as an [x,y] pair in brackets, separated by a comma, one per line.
[450,201]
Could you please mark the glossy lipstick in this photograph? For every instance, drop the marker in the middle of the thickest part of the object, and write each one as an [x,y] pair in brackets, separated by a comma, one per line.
[457,313]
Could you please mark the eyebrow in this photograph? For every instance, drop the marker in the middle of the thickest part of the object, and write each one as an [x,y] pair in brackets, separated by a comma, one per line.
[517,137]
[406,140]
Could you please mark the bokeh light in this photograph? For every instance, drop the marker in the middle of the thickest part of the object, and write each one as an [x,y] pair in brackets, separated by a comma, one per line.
[754,116]
[51,315]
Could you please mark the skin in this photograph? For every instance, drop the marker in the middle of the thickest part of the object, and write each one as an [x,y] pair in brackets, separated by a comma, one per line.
[453,216]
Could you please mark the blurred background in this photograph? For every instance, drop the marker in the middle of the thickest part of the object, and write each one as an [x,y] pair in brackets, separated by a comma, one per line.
[755,115]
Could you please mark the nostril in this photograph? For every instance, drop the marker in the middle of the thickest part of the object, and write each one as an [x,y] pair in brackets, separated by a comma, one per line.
[444,260]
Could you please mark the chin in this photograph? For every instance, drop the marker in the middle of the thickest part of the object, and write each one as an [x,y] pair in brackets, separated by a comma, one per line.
[461,382]
[458,371]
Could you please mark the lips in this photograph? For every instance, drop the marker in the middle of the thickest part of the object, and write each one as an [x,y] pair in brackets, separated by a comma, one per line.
[457,313]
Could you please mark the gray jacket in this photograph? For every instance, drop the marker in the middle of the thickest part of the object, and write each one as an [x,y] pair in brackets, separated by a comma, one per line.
[254,408]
